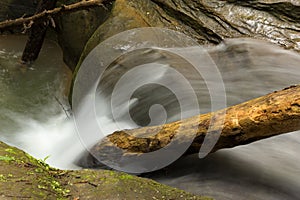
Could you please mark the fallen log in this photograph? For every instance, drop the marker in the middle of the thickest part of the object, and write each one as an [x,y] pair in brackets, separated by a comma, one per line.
[273,114]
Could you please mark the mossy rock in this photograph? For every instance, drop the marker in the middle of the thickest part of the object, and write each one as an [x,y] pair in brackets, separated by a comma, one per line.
[22,176]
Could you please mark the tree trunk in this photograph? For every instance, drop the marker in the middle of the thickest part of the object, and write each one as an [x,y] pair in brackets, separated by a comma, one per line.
[37,33]
[269,115]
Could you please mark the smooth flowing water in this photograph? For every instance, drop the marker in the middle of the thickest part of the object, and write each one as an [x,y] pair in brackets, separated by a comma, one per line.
[31,102]
[33,119]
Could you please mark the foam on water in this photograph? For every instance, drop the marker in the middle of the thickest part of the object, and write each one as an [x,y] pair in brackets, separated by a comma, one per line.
[31,115]
[268,169]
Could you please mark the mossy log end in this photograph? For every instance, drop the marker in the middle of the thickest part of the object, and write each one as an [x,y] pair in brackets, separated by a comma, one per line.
[263,117]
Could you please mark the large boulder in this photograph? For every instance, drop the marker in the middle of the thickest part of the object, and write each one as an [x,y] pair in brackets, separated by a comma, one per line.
[75,29]
[272,20]
[129,14]
[207,21]
[23,177]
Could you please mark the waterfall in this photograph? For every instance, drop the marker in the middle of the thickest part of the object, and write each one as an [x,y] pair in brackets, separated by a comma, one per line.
[32,117]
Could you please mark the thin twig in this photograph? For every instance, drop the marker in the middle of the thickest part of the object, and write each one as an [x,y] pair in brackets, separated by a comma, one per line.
[62,106]
[63,9]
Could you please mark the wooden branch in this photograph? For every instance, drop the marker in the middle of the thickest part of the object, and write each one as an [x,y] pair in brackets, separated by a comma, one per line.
[37,33]
[47,13]
[269,115]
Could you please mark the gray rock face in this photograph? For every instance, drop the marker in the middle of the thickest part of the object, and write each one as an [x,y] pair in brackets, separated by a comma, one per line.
[74,30]
[207,21]
[273,20]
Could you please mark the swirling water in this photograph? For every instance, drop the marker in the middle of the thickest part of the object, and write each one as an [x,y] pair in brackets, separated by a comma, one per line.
[32,118]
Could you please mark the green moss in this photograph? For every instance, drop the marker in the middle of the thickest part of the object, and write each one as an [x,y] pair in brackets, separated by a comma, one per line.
[19,168]
[2,178]
[23,175]
[10,150]
[126,177]
[7,158]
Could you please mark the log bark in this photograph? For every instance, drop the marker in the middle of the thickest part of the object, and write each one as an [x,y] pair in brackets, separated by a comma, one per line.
[37,33]
[263,117]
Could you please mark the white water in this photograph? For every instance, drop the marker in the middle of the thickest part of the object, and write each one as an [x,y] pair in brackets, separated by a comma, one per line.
[31,117]
[33,120]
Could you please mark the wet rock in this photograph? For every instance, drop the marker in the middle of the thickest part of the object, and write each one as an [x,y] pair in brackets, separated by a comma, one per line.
[275,21]
[129,14]
[207,21]
[74,30]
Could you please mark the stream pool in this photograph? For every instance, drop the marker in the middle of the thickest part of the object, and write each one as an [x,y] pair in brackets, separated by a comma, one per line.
[34,116]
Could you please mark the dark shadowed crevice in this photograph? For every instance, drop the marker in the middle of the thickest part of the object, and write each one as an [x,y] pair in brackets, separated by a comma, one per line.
[208,34]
